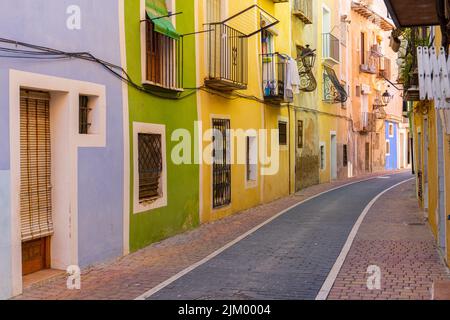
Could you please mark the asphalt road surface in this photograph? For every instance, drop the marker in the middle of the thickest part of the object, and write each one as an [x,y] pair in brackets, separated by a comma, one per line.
[290,257]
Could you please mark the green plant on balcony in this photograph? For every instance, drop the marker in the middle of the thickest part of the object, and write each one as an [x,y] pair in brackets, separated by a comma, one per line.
[409,39]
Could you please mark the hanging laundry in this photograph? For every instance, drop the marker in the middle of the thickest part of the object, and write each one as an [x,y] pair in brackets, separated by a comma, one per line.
[292,79]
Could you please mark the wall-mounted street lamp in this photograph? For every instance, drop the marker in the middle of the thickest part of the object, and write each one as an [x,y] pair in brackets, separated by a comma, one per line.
[308,57]
[386,98]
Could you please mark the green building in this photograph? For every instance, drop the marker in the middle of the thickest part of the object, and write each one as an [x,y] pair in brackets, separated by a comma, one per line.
[164,196]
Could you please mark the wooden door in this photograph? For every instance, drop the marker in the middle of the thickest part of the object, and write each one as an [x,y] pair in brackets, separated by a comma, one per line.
[35,181]
[35,255]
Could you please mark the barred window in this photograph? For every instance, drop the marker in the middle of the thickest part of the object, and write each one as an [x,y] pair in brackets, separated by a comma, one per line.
[300,133]
[282,131]
[345,152]
[150,167]
[83,115]
[322,157]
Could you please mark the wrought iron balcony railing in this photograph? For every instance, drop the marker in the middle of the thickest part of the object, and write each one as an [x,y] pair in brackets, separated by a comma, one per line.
[164,60]
[330,48]
[273,76]
[227,58]
[369,65]
[303,9]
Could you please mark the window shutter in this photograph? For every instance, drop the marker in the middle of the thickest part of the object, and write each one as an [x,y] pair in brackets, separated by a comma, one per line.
[35,166]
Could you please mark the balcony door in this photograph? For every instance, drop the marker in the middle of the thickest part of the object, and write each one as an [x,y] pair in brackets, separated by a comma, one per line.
[326,29]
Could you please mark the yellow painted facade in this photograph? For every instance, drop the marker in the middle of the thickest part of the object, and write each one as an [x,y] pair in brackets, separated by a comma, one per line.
[425,118]
[329,117]
[246,111]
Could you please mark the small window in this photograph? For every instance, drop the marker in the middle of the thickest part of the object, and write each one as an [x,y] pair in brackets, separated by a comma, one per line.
[345,155]
[363,48]
[391,130]
[150,167]
[322,157]
[251,163]
[300,133]
[388,148]
[282,131]
[84,115]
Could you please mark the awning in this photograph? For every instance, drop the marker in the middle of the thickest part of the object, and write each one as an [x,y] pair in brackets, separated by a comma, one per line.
[413,13]
[158,14]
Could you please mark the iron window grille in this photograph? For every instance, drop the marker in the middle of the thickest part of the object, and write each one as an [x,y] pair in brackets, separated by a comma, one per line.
[300,133]
[322,157]
[282,133]
[150,167]
[83,115]
[345,154]
[164,59]
[221,164]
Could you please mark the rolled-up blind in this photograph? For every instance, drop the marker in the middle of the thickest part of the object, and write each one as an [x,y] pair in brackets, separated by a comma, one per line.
[35,166]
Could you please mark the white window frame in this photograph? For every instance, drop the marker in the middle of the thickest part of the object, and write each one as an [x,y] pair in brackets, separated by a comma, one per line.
[148,128]
[252,183]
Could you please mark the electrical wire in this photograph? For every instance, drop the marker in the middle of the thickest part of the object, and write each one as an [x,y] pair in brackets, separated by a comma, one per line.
[42,52]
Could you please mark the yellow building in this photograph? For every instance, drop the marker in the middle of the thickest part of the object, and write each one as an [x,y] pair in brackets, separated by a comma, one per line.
[332,91]
[430,127]
[240,58]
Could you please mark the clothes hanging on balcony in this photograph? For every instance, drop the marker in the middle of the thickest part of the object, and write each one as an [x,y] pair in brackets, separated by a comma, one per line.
[292,81]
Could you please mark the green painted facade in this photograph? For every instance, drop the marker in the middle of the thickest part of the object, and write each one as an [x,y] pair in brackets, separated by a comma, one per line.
[182,210]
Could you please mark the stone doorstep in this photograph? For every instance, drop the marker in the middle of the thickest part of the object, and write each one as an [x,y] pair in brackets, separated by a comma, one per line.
[441,290]
[40,277]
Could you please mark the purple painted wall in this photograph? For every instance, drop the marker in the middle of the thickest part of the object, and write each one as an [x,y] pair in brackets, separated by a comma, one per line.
[100,170]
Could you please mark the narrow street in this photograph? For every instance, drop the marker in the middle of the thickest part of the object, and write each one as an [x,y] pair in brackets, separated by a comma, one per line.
[283,250]
[288,258]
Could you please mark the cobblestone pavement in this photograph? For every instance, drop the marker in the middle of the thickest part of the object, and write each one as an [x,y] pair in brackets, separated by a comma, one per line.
[289,258]
[132,275]
[395,238]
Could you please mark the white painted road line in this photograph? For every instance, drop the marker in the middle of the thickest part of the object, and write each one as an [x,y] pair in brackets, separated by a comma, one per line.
[329,282]
[182,273]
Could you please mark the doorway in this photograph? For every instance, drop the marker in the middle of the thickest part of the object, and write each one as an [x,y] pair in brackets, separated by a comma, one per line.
[367,157]
[333,156]
[36,224]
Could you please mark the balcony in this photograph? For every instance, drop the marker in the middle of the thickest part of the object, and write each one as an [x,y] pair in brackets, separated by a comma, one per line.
[227,58]
[366,123]
[369,64]
[384,68]
[330,49]
[303,9]
[273,77]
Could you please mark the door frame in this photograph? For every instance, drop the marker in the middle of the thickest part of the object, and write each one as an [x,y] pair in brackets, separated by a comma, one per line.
[65,141]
